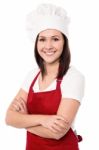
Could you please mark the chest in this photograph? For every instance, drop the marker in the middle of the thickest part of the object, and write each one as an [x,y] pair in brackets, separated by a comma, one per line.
[46,83]
[44,102]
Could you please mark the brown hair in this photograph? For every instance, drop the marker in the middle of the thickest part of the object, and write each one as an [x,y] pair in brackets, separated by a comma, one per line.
[64,59]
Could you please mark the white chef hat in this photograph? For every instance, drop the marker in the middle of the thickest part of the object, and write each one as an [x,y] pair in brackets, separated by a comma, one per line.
[47,16]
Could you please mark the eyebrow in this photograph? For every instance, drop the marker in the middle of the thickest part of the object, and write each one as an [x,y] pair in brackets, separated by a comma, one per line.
[48,37]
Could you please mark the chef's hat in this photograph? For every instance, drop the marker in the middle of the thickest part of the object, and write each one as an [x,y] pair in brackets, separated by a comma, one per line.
[47,16]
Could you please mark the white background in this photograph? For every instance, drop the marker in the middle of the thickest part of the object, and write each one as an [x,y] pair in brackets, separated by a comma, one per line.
[16,59]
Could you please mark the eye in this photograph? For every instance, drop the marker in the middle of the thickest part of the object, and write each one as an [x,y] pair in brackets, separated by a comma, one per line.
[41,39]
[55,39]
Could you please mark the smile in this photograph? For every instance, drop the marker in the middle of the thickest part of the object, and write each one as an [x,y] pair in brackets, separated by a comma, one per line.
[50,53]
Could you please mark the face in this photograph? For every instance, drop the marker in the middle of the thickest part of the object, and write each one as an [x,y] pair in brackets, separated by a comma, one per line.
[50,45]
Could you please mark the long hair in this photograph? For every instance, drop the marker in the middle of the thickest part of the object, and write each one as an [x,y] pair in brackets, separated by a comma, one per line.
[64,62]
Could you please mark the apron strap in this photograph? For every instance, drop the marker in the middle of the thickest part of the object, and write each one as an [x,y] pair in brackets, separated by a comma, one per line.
[35,78]
[58,83]
[58,80]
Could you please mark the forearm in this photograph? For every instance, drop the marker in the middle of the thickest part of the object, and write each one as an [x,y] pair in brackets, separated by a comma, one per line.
[45,133]
[20,120]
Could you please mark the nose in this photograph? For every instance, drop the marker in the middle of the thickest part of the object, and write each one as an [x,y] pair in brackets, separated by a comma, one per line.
[48,44]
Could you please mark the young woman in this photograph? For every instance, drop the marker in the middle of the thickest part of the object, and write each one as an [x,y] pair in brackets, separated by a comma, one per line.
[48,101]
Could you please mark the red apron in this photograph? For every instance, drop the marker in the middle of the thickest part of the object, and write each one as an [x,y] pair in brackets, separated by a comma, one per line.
[47,103]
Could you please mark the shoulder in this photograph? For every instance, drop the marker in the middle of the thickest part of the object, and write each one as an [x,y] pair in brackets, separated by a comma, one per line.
[73,84]
[31,74]
[73,73]
[29,78]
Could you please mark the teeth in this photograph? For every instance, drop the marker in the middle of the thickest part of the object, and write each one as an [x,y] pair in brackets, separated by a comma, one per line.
[49,53]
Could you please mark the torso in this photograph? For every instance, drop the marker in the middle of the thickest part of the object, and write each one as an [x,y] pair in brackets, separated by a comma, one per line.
[46,82]
[48,103]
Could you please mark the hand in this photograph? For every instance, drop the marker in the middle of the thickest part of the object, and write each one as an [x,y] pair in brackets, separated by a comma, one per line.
[19,105]
[55,123]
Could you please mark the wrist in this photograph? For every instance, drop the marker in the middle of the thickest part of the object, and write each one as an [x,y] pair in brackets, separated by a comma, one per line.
[42,118]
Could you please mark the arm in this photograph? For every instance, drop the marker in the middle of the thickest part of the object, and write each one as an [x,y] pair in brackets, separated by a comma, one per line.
[52,126]
[45,132]
[17,115]
[68,109]
[21,119]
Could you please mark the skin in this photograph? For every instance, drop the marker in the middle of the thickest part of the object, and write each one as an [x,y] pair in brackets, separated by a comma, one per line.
[50,45]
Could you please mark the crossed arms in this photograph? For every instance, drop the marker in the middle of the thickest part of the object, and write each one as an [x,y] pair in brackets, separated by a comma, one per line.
[47,126]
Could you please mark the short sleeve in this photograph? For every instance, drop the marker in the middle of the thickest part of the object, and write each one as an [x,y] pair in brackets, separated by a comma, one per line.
[73,85]
[28,79]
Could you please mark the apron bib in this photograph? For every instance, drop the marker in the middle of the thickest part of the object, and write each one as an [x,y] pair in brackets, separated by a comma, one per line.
[47,103]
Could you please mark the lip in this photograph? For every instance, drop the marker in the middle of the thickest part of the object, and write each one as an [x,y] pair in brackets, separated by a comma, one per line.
[50,53]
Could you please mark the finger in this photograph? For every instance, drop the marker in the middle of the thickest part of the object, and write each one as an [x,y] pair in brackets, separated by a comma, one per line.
[58,128]
[61,123]
[18,106]
[23,103]
[53,129]
[63,119]
[12,107]
[58,123]
[15,107]
[19,103]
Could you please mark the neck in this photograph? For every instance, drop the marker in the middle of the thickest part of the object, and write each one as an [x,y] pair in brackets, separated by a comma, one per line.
[52,69]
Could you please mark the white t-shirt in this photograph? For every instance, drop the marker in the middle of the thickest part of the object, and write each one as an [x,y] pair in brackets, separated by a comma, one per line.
[72,85]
